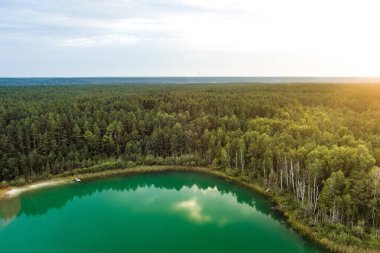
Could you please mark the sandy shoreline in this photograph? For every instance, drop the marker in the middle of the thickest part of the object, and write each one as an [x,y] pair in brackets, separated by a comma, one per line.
[3,191]
[11,192]
[14,191]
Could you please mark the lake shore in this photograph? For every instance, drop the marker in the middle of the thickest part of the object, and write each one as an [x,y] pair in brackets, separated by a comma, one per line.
[3,191]
[11,192]
[301,228]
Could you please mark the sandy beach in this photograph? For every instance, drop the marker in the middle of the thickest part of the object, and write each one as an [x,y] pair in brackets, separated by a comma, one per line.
[3,191]
[10,192]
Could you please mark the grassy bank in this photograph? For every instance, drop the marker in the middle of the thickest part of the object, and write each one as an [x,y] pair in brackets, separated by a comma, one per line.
[90,174]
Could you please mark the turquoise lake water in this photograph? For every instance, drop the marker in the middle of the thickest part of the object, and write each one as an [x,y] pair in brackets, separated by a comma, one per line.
[169,212]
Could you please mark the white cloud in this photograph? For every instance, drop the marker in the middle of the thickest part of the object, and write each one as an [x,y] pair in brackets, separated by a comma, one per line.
[292,37]
[99,40]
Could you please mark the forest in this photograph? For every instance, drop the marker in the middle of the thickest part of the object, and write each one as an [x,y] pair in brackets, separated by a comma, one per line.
[316,145]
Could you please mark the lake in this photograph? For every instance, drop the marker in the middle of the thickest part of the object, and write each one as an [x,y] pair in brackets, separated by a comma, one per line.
[167,212]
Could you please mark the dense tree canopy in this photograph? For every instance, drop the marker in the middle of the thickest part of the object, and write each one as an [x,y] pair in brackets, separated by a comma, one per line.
[317,144]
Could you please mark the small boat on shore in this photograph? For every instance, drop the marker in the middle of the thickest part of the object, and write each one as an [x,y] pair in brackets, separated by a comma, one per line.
[77,180]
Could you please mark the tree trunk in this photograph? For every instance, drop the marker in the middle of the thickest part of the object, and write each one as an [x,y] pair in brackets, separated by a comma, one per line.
[241,160]
[292,173]
[373,216]
[236,160]
[316,194]
[265,176]
[286,174]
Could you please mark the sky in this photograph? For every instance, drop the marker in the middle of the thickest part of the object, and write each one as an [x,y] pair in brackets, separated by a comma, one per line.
[43,38]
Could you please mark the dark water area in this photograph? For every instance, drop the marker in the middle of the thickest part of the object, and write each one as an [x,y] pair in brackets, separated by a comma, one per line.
[176,80]
[169,212]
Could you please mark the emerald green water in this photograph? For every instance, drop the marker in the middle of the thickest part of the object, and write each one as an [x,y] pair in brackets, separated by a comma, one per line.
[170,212]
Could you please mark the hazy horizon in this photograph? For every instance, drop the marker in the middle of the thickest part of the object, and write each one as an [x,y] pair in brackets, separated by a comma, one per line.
[184,76]
[36,81]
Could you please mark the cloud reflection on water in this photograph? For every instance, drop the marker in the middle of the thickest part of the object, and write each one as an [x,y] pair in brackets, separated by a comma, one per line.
[194,210]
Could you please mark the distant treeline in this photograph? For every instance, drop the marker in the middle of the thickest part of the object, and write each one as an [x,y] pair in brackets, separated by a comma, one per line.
[316,145]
